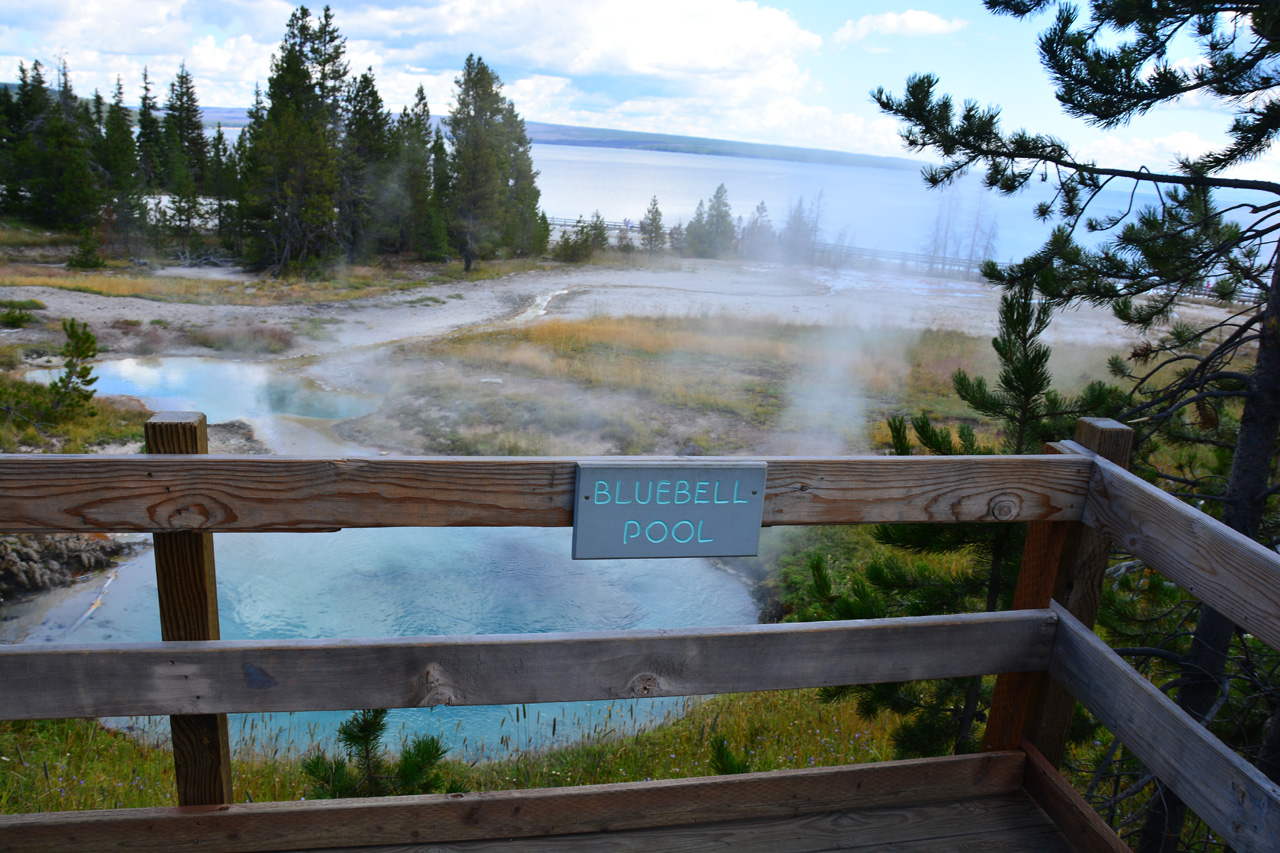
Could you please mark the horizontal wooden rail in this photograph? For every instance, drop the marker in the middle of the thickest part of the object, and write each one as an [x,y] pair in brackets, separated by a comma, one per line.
[1230,571]
[243,493]
[1228,793]
[424,821]
[318,675]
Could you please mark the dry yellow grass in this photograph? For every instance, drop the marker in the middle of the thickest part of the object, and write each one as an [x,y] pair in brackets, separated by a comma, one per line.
[741,339]
[113,284]
[345,284]
[697,364]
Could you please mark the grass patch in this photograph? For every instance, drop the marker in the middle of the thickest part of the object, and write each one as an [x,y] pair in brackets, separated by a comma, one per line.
[97,424]
[23,304]
[15,234]
[246,339]
[317,328]
[73,765]
[730,369]
[90,767]
[770,731]
[351,283]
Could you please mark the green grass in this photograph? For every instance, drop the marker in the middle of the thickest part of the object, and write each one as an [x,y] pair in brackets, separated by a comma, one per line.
[28,420]
[90,767]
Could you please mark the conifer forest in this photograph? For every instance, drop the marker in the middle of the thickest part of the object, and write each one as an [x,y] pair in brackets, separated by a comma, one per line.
[322,172]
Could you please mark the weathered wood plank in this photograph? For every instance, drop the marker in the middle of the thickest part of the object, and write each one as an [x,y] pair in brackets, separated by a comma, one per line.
[155,493]
[1083,826]
[441,818]
[1234,574]
[187,589]
[309,675]
[1233,797]
[1066,561]
[1010,822]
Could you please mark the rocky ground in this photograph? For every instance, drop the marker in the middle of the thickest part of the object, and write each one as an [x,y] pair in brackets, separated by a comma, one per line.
[36,562]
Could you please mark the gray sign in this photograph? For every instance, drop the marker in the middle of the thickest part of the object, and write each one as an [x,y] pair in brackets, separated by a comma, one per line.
[667,509]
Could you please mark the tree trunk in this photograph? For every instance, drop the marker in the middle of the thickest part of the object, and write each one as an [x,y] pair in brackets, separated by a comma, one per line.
[1242,511]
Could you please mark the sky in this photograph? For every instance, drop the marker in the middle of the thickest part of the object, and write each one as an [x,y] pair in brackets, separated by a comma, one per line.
[790,73]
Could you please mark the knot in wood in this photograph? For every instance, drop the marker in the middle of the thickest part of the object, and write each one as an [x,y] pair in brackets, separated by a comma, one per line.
[181,513]
[434,687]
[1006,506]
[644,684]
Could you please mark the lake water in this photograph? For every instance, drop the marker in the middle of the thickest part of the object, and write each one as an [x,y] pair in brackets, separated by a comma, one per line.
[887,209]
[382,583]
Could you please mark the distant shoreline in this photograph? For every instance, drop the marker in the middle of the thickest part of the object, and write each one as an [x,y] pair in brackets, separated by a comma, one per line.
[541,133]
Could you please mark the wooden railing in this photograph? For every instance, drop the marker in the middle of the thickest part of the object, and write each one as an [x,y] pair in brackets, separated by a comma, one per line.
[1077,497]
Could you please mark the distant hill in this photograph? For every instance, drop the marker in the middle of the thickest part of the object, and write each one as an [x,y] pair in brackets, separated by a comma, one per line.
[596,137]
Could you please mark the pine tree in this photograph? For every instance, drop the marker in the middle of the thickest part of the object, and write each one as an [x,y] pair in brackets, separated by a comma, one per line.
[53,163]
[758,238]
[367,771]
[325,50]
[219,184]
[1107,70]
[721,232]
[150,137]
[478,162]
[524,227]
[26,111]
[120,160]
[945,716]
[418,219]
[697,238]
[799,237]
[365,155]
[652,235]
[290,169]
[182,130]
[494,196]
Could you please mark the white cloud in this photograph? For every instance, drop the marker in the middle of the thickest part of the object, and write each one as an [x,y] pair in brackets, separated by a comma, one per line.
[726,68]
[912,22]
[1160,154]
[668,40]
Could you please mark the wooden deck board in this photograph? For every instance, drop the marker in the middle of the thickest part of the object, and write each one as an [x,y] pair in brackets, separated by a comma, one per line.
[1009,822]
[423,822]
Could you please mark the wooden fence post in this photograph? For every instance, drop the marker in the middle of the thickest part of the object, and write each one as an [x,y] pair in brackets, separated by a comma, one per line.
[1065,561]
[188,595]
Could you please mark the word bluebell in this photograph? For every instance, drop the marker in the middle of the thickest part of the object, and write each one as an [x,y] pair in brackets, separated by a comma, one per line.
[665,492]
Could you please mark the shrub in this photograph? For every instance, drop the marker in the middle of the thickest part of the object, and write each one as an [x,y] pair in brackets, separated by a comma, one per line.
[86,256]
[368,771]
[574,246]
[72,391]
[15,318]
